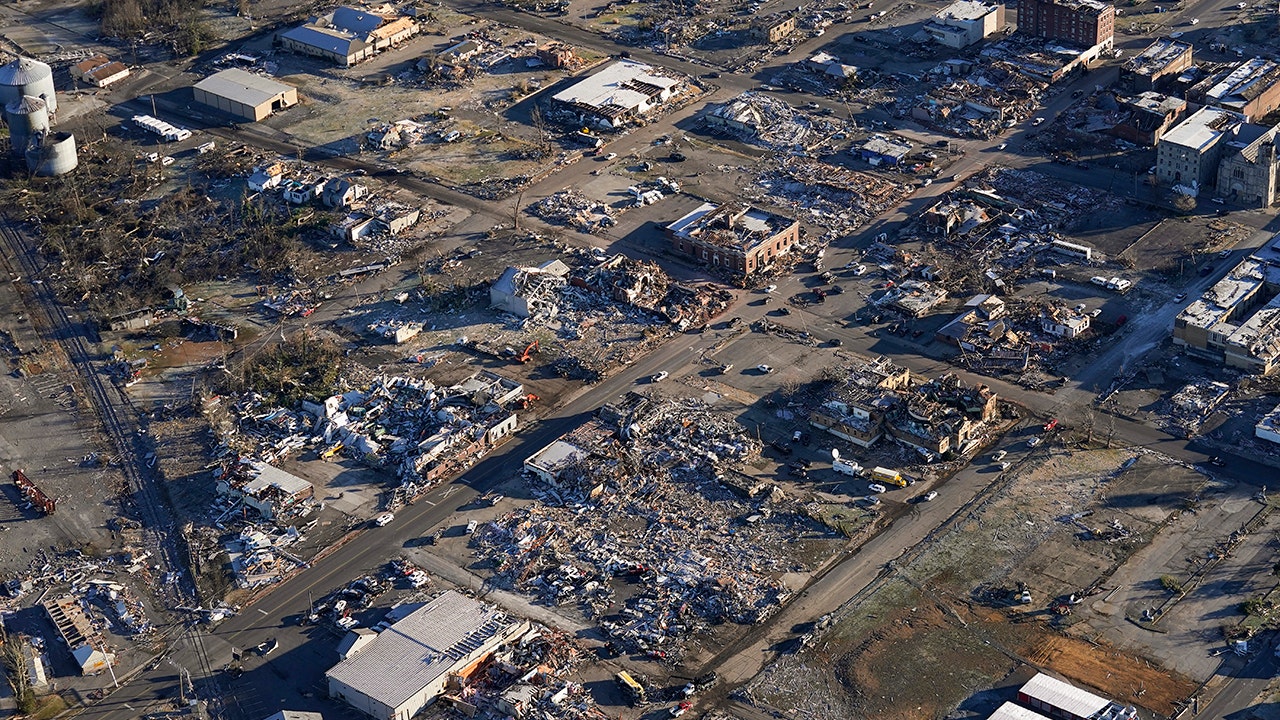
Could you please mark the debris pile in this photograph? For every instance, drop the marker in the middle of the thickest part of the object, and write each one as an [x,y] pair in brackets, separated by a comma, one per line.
[837,199]
[651,506]
[763,119]
[259,559]
[575,210]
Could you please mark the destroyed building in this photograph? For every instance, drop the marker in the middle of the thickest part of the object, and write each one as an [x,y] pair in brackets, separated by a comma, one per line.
[965,22]
[761,118]
[1145,118]
[341,193]
[773,29]
[1062,321]
[914,298]
[885,150]
[739,238]
[877,398]
[1268,426]
[1237,321]
[621,92]
[956,218]
[830,66]
[530,291]
[408,665]
[979,326]
[1153,68]
[558,56]
[77,630]
[271,492]
[1250,88]
[1086,23]
[348,35]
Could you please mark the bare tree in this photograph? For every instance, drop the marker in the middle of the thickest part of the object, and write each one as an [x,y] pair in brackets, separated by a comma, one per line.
[1111,429]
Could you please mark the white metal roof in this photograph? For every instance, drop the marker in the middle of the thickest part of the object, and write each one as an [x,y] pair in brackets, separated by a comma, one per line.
[416,651]
[243,87]
[1202,129]
[1064,696]
[607,86]
[1009,711]
[269,475]
[965,10]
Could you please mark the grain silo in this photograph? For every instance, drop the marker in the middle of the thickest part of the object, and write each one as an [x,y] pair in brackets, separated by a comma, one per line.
[26,117]
[24,76]
[52,154]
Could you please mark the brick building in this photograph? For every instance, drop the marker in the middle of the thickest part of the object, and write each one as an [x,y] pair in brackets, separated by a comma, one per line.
[1086,23]
[734,236]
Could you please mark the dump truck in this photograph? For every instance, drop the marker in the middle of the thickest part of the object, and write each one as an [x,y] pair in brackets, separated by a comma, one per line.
[887,476]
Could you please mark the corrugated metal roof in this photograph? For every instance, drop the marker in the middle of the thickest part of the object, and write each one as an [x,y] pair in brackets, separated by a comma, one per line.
[328,40]
[357,21]
[22,71]
[1064,696]
[1009,711]
[416,651]
[26,105]
[242,87]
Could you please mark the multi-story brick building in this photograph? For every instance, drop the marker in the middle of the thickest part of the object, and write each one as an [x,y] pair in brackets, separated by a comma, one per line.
[1086,23]
[734,236]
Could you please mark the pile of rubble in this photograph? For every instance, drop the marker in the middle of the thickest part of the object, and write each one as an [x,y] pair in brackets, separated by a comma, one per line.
[762,119]
[1192,405]
[575,210]
[837,199]
[652,505]
[259,558]
[526,679]
[1057,203]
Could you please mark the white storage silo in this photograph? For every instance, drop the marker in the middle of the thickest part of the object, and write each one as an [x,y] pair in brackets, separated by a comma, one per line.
[26,117]
[24,76]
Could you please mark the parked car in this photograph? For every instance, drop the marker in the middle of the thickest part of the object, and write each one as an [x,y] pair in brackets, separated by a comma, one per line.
[877,487]
[931,495]
[1179,297]
[766,369]
[999,456]
[1005,465]
[660,376]
[384,519]
[770,288]
[1033,442]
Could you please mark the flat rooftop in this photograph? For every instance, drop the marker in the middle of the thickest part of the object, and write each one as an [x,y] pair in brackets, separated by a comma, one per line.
[243,87]
[1203,128]
[1157,56]
[965,10]
[417,650]
[1247,81]
[729,225]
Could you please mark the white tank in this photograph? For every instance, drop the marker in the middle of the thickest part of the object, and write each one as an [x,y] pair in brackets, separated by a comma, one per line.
[26,117]
[25,76]
[52,154]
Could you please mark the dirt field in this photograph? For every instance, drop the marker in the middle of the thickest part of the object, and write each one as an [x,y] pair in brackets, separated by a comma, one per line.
[947,614]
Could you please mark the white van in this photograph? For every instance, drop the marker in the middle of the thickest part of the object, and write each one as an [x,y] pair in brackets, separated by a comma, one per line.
[844,467]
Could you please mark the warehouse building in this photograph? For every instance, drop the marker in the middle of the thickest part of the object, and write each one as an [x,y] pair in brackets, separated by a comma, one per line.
[1059,699]
[621,92]
[245,95]
[408,665]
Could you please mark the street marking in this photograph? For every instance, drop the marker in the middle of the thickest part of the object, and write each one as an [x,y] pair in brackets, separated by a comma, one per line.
[264,612]
[429,502]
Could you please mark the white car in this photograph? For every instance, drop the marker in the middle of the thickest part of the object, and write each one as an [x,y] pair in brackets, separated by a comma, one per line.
[877,488]
[1033,442]
[860,270]
[771,288]
[1002,146]
[766,369]
[347,623]
[1179,297]
[384,519]
[1005,465]
[1038,121]
[660,376]
[999,456]
[931,495]
[1194,21]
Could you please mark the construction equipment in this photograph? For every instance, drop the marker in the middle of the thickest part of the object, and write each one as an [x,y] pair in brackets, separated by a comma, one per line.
[331,451]
[533,348]
[528,400]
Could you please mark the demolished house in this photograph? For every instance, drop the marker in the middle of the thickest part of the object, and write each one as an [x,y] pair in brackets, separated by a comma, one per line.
[1064,322]
[530,291]
[77,630]
[761,118]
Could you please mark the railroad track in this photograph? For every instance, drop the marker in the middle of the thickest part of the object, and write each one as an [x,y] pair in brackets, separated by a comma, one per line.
[22,260]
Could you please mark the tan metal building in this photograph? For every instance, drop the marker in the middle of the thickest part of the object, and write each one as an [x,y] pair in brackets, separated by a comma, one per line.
[245,95]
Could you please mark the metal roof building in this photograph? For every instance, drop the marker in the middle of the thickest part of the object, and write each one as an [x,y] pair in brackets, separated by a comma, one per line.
[1009,711]
[245,95]
[406,667]
[1063,700]
[621,91]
